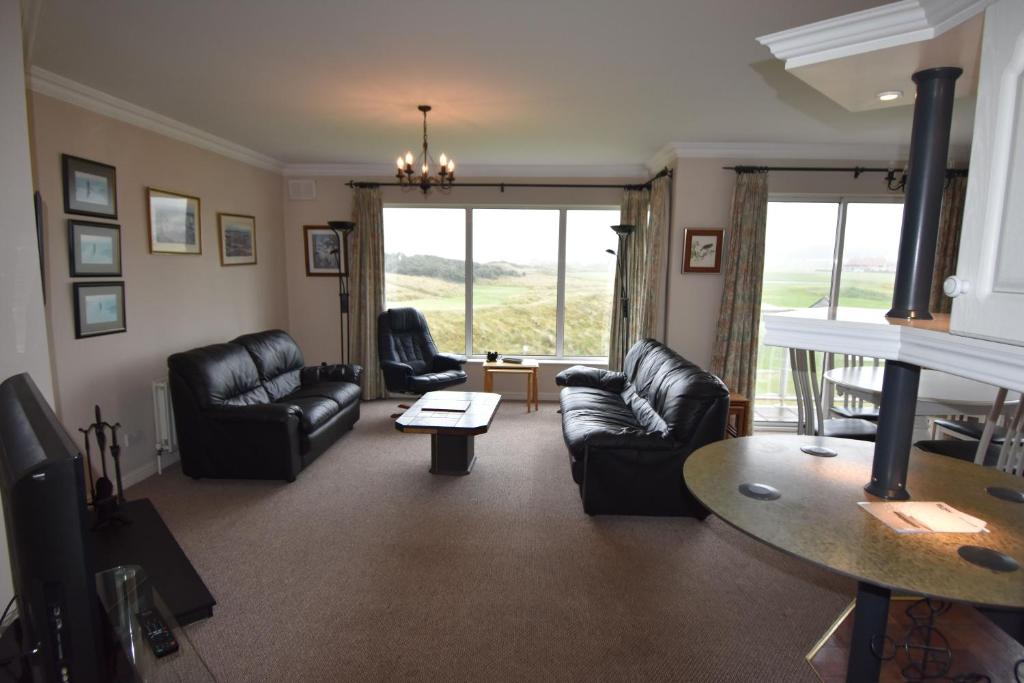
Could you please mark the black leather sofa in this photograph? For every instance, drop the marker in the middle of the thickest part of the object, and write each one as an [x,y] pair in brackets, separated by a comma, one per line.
[409,358]
[628,433]
[250,409]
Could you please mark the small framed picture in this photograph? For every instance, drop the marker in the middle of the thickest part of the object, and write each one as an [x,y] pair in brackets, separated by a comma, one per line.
[90,188]
[237,239]
[702,250]
[99,308]
[322,251]
[94,249]
[174,223]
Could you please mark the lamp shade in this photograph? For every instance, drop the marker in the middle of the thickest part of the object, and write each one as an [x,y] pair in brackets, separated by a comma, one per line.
[624,229]
[344,226]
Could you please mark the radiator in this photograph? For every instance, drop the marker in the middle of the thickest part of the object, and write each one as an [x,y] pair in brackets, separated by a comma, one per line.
[163,419]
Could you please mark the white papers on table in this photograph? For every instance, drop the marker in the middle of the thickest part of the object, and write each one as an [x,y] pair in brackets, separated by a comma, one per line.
[925,517]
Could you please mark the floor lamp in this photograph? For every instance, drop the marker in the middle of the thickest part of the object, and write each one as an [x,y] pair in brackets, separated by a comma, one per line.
[342,229]
[622,272]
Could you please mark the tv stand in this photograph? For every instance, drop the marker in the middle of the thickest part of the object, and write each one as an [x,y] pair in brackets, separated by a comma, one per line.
[148,543]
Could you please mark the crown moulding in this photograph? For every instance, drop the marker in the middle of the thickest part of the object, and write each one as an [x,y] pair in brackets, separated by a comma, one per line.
[899,23]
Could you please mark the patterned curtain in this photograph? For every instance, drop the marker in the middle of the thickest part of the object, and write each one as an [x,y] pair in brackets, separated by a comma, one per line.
[735,354]
[948,244]
[367,266]
[648,211]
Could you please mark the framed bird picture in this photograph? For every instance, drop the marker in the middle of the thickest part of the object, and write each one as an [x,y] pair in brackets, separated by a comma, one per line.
[702,250]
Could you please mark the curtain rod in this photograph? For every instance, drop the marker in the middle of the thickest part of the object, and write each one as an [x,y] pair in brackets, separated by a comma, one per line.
[665,172]
[855,170]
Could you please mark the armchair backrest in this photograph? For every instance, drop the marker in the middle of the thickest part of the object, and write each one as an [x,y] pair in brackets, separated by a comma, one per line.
[220,374]
[670,394]
[278,360]
[403,337]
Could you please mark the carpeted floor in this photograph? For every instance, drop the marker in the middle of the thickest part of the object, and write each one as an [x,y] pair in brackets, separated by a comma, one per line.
[370,568]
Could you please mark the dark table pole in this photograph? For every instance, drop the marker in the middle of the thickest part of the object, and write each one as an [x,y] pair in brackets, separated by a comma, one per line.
[869,622]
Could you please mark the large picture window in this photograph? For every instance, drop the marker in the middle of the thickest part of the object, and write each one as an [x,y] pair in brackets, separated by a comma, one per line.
[540,283]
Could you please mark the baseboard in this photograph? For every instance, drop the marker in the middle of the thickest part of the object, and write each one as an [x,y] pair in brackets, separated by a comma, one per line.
[148,470]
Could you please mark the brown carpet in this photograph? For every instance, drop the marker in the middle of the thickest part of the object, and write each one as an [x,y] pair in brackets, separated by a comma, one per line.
[370,568]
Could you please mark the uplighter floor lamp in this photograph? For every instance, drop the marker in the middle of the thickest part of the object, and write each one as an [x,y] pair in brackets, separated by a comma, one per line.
[622,272]
[342,229]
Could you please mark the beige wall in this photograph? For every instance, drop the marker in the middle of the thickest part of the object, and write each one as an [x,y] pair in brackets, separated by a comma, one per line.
[174,302]
[313,301]
[23,343]
[703,195]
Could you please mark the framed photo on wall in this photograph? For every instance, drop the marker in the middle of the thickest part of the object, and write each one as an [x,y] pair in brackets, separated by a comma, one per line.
[99,308]
[94,249]
[237,239]
[90,188]
[174,223]
[322,251]
[702,250]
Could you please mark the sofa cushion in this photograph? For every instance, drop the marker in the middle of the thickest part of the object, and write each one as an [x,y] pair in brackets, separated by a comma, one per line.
[316,411]
[220,374]
[342,393]
[278,360]
[588,412]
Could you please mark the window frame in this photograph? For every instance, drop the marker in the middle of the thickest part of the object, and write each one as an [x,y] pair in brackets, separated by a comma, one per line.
[468,209]
[835,282]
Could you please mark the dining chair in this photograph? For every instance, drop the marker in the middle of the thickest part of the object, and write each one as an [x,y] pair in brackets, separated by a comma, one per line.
[996,446]
[853,406]
[810,413]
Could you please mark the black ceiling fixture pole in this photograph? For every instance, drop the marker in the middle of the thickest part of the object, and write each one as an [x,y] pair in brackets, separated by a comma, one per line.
[929,145]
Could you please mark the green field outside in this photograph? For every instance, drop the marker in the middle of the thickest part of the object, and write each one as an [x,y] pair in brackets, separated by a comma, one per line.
[800,290]
[512,315]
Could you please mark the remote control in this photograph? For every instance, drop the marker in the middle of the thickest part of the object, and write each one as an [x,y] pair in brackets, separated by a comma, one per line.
[156,633]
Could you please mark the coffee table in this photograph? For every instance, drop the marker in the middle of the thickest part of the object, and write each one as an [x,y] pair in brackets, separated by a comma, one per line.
[453,419]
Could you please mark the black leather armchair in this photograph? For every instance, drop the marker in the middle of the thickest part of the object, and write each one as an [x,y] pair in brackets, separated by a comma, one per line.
[628,433]
[251,409]
[409,358]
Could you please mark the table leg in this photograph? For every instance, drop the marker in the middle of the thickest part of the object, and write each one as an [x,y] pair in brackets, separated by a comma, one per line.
[488,381]
[869,622]
[529,391]
[536,391]
[451,454]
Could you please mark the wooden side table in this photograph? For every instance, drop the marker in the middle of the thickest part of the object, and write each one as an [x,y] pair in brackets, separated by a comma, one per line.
[739,408]
[528,367]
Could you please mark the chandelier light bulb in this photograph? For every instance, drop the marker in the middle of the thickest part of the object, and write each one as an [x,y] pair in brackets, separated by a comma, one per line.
[408,158]
[400,164]
[444,159]
[451,166]
[425,169]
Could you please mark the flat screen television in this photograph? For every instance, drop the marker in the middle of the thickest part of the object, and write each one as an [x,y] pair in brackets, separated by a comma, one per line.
[43,489]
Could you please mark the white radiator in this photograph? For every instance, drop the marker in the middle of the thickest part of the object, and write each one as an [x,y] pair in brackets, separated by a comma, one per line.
[163,419]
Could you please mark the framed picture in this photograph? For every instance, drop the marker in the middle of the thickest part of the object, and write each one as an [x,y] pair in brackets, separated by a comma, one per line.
[90,188]
[94,249]
[702,250]
[237,239]
[322,251]
[174,223]
[99,308]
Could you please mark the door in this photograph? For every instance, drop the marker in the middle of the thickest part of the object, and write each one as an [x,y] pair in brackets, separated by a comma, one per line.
[989,282]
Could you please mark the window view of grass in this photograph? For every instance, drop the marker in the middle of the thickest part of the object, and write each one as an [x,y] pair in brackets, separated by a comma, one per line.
[799,253]
[515,277]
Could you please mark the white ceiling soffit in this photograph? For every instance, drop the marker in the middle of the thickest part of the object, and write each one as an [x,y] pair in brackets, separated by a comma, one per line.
[53,85]
[770,151]
[853,58]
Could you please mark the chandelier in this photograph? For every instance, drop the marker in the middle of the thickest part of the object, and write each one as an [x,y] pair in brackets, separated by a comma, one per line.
[410,176]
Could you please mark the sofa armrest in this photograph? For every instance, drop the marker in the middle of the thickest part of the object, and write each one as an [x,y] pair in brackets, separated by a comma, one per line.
[259,440]
[596,378]
[448,361]
[337,372]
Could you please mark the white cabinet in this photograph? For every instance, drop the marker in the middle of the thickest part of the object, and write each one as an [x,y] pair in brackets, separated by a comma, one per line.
[990,268]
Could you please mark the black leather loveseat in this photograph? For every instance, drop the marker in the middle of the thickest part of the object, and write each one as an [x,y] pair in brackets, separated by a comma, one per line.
[251,409]
[629,432]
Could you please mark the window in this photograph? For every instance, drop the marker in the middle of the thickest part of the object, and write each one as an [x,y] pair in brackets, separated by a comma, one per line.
[804,242]
[425,268]
[540,282]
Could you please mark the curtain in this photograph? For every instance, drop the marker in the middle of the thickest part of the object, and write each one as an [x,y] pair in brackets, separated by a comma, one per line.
[367,276]
[734,358]
[948,244]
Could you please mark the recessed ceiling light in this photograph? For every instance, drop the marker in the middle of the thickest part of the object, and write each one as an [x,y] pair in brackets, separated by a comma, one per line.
[890,95]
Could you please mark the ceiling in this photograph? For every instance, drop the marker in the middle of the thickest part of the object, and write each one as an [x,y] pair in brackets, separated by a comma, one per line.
[511,82]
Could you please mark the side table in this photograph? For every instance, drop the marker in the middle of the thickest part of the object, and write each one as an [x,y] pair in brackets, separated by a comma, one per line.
[739,408]
[528,367]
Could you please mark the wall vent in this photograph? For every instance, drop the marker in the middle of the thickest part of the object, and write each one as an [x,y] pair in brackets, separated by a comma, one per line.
[303,190]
